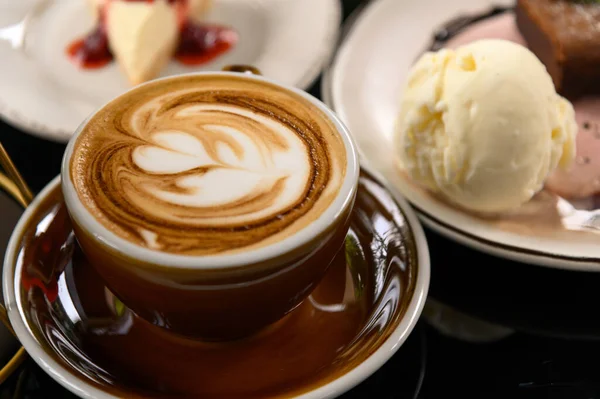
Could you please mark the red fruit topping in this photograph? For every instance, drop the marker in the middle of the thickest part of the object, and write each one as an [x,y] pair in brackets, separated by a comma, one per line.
[200,44]
[92,51]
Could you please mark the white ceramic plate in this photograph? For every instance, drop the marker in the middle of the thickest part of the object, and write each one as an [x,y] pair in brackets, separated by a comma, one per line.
[364,86]
[44,94]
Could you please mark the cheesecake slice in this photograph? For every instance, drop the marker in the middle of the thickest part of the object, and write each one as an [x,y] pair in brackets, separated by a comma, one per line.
[142,36]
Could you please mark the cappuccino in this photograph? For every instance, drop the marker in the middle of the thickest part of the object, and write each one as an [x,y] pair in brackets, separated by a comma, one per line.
[208,165]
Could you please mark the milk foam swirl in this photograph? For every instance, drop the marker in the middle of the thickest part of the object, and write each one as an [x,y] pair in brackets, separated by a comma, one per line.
[207,165]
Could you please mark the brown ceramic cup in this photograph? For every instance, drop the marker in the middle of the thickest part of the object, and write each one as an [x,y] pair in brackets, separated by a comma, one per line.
[221,296]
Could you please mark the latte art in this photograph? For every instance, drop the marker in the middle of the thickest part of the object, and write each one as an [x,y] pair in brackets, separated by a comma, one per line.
[239,168]
[207,165]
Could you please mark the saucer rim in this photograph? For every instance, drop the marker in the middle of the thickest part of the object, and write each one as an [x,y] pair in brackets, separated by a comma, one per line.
[437,220]
[334,388]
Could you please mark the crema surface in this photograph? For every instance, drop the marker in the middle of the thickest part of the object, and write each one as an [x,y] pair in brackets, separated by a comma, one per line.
[208,165]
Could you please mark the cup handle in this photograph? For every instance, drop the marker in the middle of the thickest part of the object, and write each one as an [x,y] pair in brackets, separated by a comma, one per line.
[249,69]
[12,182]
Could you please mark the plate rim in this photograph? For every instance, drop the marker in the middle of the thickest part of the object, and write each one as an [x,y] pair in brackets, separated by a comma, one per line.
[435,222]
[38,128]
[331,389]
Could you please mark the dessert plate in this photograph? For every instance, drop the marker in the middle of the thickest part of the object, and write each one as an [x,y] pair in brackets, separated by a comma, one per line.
[46,95]
[364,85]
[355,320]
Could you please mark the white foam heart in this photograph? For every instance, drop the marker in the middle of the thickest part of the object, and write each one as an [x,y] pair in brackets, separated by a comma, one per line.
[229,176]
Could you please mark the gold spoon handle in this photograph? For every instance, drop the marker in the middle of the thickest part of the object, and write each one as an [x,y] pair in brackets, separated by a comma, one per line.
[12,172]
[14,184]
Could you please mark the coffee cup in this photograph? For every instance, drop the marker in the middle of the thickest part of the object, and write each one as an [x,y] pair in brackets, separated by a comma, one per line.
[211,203]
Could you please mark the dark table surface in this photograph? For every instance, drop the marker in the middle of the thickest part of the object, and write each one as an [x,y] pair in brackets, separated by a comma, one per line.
[547,345]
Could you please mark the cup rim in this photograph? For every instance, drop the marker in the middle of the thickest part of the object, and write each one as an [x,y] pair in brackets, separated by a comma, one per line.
[332,214]
[332,389]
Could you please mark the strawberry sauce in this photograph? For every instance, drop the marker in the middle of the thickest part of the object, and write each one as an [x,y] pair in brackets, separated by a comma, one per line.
[198,43]
[92,51]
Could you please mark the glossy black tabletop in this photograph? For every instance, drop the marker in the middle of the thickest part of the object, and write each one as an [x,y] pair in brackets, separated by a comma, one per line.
[512,331]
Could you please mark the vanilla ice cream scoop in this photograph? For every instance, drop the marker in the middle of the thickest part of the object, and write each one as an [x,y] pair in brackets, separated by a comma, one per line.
[483,125]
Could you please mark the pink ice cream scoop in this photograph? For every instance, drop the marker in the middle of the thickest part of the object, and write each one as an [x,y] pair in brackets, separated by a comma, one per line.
[582,178]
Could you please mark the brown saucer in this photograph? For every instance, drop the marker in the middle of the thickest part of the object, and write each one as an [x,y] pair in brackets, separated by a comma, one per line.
[351,324]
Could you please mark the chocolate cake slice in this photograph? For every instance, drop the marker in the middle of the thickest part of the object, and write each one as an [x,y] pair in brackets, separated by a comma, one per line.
[565,35]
